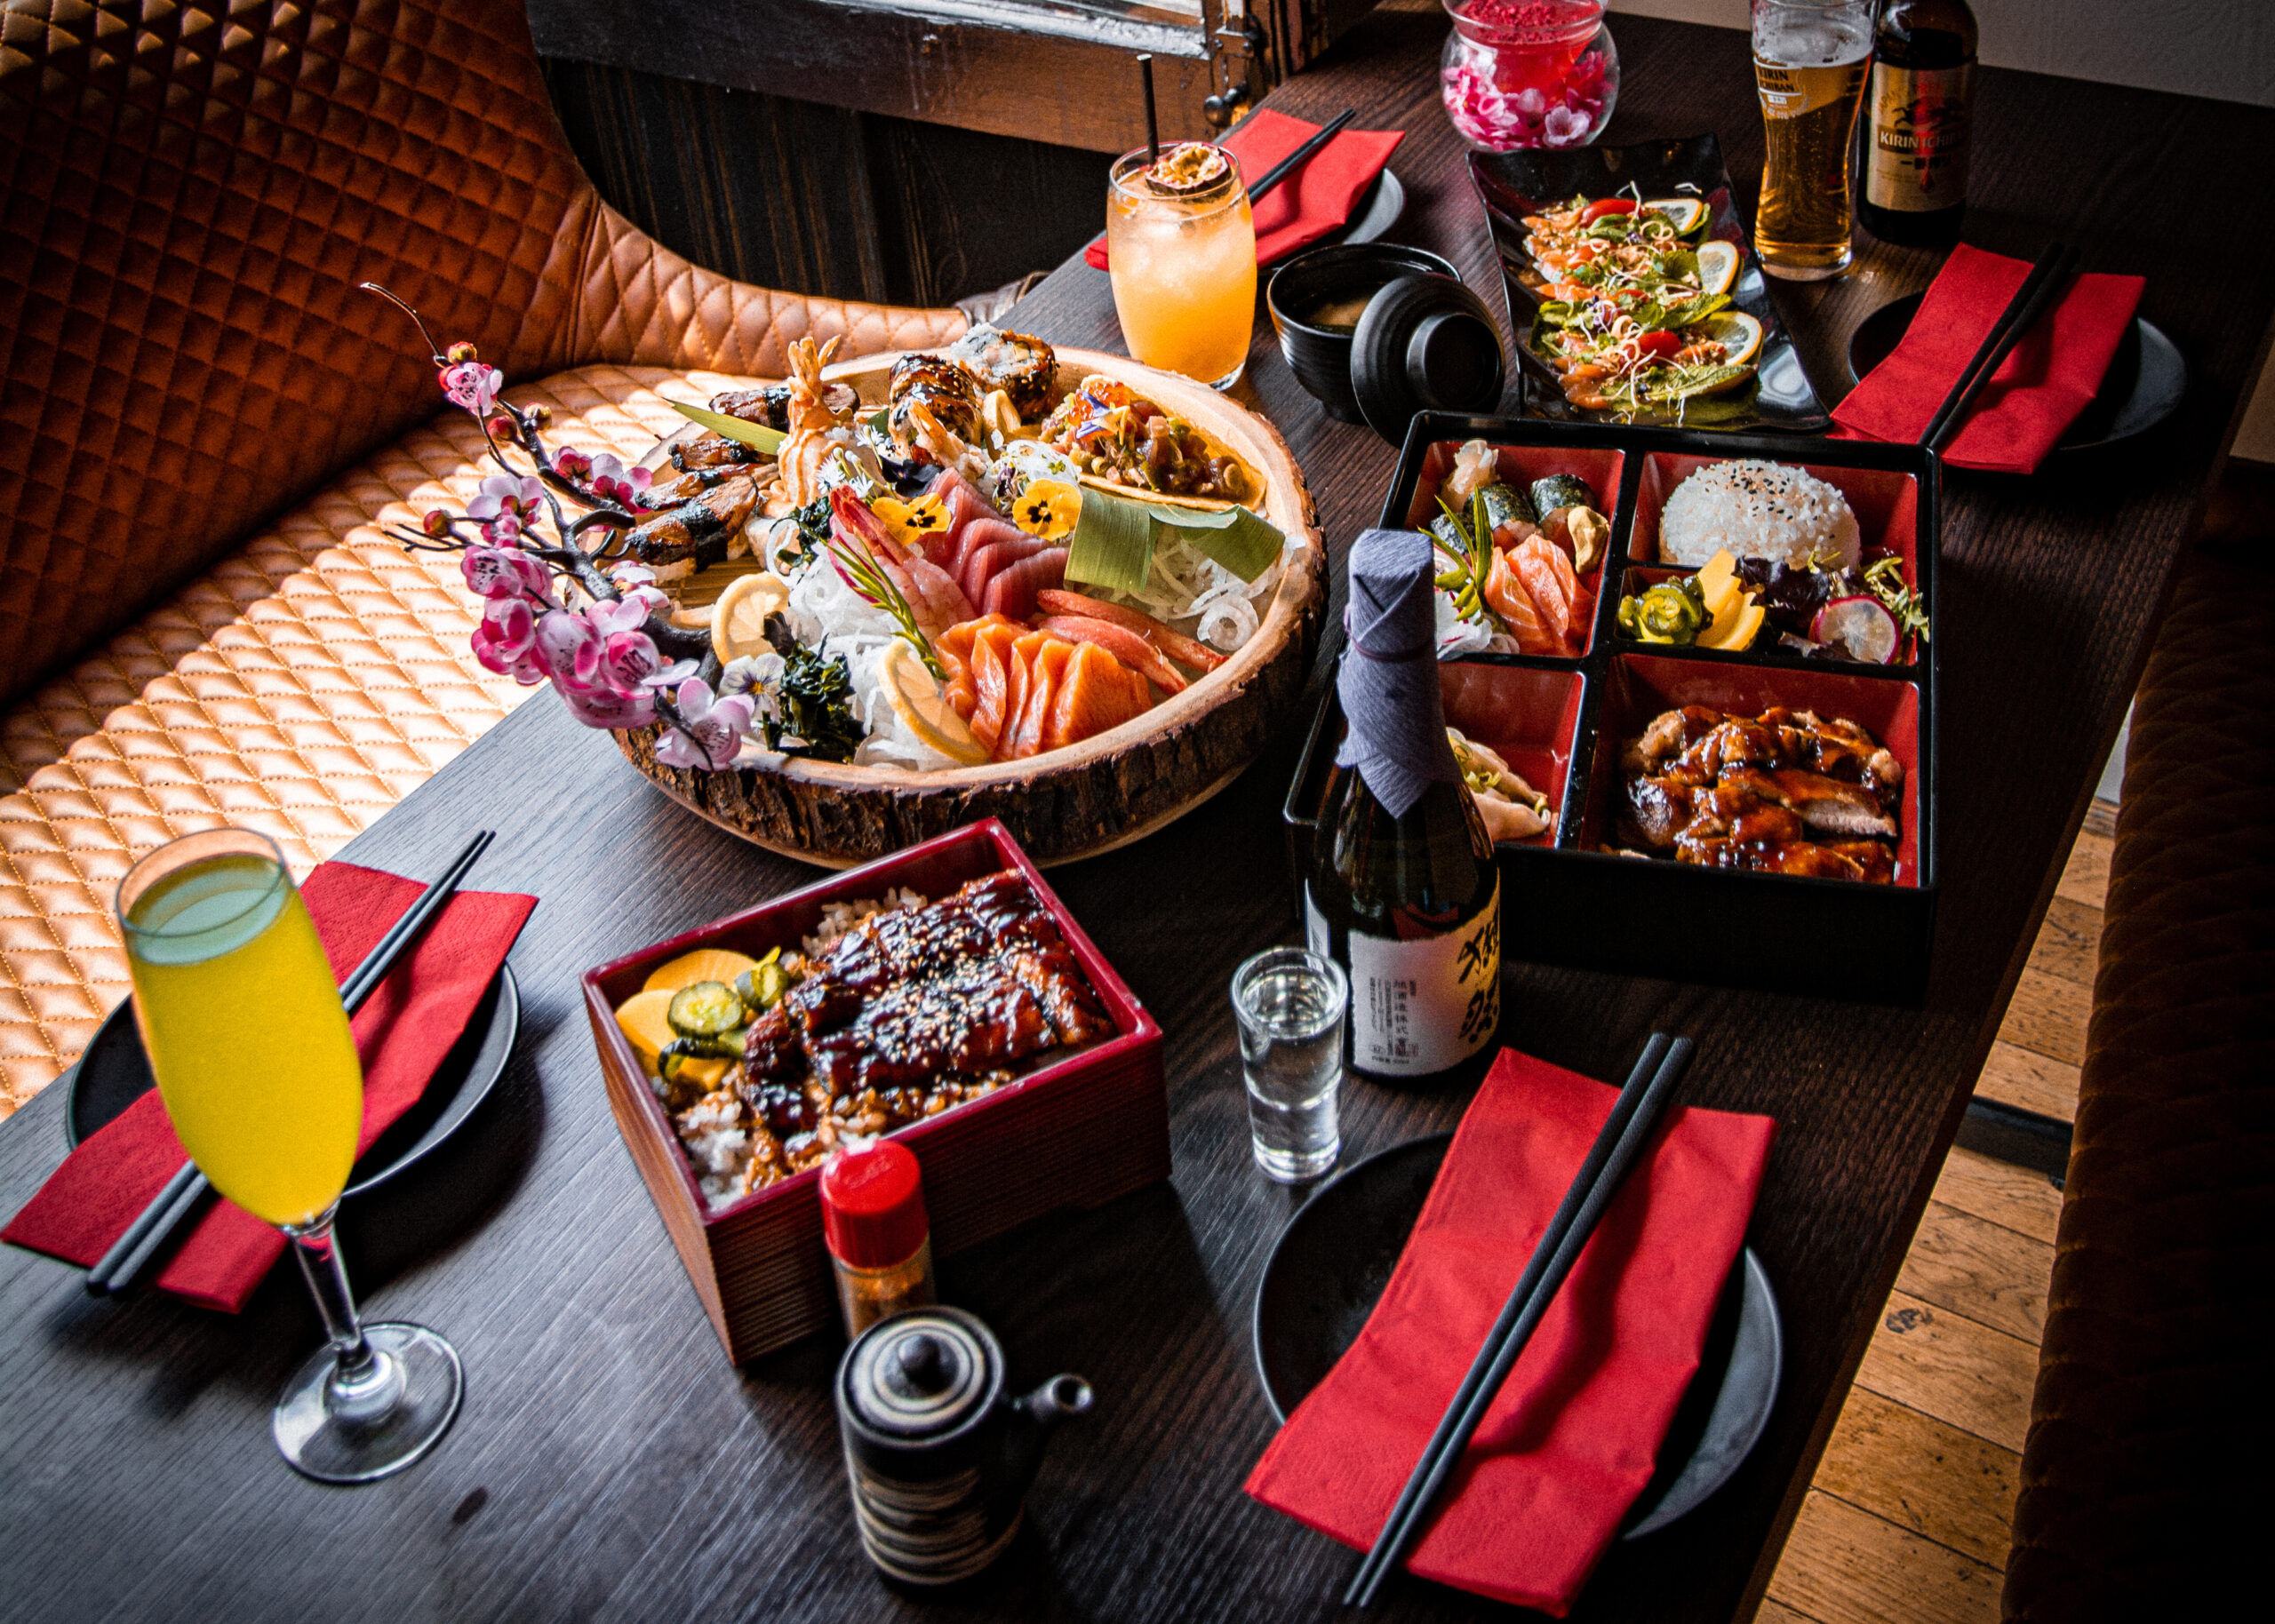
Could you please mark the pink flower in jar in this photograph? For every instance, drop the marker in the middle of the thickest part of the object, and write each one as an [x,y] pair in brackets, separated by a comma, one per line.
[1564,128]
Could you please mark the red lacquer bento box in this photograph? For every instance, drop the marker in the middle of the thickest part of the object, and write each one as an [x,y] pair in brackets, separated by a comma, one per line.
[1568,896]
[1075,1133]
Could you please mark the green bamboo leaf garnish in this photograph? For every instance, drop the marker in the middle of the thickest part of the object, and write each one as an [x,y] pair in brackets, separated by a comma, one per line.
[756,435]
[1112,542]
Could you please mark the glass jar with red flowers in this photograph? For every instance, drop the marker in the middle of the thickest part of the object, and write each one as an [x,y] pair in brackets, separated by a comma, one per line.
[1528,73]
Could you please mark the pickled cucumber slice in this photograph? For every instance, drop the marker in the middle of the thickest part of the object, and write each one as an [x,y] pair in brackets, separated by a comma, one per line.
[707,1009]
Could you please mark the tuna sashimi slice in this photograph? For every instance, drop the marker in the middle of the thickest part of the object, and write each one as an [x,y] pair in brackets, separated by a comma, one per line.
[1012,591]
[993,549]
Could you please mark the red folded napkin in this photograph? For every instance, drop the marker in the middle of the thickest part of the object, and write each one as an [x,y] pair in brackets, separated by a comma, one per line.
[2046,380]
[403,1033]
[1570,1440]
[1315,200]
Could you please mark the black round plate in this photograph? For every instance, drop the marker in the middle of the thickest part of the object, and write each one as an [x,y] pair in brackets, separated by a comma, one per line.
[2144,384]
[115,1072]
[1378,211]
[1335,1257]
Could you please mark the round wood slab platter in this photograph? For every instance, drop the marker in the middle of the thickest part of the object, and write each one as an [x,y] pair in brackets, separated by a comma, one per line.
[1089,797]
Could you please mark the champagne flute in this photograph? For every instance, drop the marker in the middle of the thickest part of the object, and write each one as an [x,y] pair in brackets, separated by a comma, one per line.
[242,1022]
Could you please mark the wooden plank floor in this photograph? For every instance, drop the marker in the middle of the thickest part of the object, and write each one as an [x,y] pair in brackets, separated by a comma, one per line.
[1911,1511]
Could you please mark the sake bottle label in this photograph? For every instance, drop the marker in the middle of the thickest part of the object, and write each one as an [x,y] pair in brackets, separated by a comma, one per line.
[1419,1007]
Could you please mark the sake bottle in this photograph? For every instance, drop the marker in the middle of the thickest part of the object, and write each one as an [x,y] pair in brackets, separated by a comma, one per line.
[1920,120]
[1403,891]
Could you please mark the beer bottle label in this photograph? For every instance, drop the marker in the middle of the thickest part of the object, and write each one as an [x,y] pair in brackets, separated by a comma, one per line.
[1419,1007]
[1916,160]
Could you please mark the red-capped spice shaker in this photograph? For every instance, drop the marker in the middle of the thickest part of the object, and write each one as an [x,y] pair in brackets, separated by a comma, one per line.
[879,1242]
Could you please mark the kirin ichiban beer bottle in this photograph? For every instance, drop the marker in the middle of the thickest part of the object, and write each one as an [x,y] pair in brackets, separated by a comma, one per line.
[1403,890]
[1921,118]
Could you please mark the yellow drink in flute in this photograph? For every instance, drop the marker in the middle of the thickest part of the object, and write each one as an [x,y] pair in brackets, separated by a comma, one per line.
[1181,241]
[246,1035]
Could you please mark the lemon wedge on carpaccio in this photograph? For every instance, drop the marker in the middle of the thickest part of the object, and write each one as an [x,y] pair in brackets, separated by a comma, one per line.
[916,697]
[738,619]
[1738,333]
[1685,213]
[1718,267]
[704,964]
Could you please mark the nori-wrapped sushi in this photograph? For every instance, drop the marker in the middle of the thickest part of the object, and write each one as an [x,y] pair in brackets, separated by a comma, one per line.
[1560,491]
[1505,504]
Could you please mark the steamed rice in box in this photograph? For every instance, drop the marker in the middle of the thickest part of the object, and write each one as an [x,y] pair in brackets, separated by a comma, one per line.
[1756,510]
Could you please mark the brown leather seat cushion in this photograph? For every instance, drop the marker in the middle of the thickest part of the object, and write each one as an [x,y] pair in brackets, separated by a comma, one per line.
[300,688]
[2143,1481]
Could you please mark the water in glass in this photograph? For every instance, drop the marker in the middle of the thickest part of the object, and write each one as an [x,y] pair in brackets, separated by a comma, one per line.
[1290,1007]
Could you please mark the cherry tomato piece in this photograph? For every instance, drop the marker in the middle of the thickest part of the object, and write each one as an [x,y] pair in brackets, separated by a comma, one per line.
[1658,344]
[1603,206]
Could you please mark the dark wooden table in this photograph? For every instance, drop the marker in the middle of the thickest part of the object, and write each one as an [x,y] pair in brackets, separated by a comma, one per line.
[610,1463]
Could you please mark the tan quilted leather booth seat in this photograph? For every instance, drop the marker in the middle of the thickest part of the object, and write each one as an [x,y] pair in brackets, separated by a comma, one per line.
[192,192]
[2143,1482]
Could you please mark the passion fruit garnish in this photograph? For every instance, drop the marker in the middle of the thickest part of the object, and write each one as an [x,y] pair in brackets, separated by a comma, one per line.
[1186,168]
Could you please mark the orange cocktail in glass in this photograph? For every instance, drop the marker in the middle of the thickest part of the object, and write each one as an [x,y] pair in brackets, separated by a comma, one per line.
[1182,245]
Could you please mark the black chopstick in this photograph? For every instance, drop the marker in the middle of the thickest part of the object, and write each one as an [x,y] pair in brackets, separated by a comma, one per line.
[1297,159]
[130,1253]
[2047,273]
[1618,1143]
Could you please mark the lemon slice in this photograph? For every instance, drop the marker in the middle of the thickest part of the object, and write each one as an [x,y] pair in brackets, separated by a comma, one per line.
[1718,267]
[1737,332]
[644,1017]
[916,697]
[738,619]
[704,964]
[1688,213]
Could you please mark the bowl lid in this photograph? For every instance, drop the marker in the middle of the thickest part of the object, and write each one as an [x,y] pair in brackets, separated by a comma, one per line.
[1425,343]
[920,1374]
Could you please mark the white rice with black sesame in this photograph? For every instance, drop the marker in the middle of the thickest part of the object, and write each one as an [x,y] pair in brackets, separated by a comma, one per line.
[1757,510]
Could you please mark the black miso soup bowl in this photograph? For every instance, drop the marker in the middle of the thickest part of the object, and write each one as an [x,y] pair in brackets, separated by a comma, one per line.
[1321,357]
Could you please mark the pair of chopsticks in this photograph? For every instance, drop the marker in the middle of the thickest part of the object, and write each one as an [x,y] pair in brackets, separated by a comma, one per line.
[131,1254]
[1620,1141]
[2050,276]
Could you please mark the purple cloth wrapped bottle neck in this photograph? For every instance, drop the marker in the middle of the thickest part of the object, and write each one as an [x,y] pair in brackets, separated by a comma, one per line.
[1389,682]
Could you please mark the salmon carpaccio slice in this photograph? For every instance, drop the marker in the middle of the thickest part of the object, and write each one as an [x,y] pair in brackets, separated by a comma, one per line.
[1096,692]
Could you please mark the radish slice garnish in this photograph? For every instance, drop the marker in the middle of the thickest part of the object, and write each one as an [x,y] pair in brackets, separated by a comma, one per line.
[1860,627]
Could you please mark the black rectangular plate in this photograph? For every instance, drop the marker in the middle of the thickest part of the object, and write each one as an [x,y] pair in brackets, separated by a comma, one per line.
[1512,185]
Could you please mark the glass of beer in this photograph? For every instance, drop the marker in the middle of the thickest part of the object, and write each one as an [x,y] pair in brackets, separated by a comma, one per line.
[250,1043]
[1809,61]
[1181,244]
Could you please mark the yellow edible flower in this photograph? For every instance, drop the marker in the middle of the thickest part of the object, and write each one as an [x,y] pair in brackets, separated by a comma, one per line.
[1048,509]
[910,520]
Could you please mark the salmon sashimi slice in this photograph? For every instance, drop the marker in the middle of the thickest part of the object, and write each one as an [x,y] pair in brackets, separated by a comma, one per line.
[968,650]
[991,662]
[1097,692]
[1012,591]
[1046,670]
[1125,645]
[1546,570]
[1505,595]
[1019,679]
[1170,641]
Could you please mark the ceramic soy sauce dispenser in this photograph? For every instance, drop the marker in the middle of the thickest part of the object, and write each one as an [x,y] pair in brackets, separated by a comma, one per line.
[939,1457]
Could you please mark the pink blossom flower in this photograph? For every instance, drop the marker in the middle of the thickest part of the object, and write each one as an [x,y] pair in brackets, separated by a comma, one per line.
[505,641]
[504,504]
[604,708]
[473,386]
[571,464]
[571,646]
[631,660]
[504,572]
[1564,128]
[710,730]
[612,482]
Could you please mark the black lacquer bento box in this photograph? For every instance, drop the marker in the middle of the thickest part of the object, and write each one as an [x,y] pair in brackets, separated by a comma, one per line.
[1567,900]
